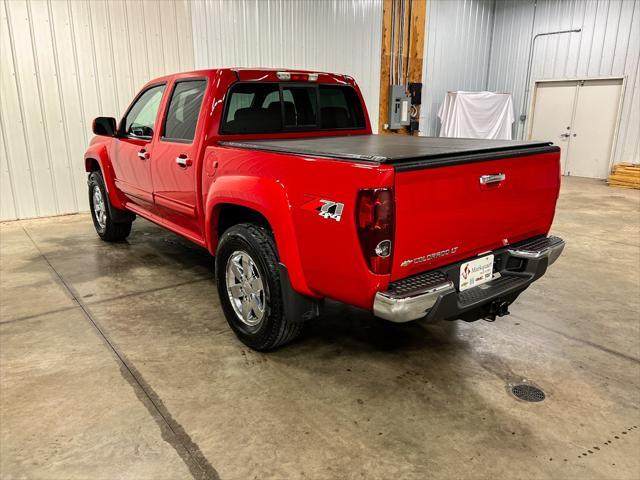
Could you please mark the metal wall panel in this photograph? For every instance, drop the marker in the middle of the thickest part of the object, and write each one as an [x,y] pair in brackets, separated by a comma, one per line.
[484,45]
[341,36]
[65,62]
[457,51]
[609,45]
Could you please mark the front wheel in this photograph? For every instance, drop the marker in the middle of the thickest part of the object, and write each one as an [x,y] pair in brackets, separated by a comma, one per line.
[248,281]
[101,211]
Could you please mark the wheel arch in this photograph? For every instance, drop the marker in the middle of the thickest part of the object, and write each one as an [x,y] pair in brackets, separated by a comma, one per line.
[241,199]
[91,165]
[96,158]
[229,214]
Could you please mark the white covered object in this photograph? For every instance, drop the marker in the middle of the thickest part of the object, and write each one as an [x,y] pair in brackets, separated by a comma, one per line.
[476,115]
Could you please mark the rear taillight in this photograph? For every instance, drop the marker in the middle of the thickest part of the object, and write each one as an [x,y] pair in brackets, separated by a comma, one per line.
[374,220]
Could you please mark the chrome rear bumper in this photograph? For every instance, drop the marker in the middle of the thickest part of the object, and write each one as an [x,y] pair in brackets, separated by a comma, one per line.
[434,294]
[550,247]
[405,309]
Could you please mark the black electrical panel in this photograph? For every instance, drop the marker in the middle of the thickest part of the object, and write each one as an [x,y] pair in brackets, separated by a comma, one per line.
[415,92]
[414,126]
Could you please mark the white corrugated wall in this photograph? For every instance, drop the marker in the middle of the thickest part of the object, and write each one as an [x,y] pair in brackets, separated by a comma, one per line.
[609,45]
[64,63]
[457,46]
[340,36]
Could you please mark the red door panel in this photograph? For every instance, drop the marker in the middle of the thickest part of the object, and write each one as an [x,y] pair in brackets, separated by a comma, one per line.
[174,181]
[133,148]
[132,170]
[174,168]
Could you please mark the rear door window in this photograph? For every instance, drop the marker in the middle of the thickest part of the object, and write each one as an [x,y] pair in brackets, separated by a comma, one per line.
[183,111]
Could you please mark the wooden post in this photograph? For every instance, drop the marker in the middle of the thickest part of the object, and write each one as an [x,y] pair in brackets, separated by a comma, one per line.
[414,48]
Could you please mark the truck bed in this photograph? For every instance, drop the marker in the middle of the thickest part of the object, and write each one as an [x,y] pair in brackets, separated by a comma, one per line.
[404,152]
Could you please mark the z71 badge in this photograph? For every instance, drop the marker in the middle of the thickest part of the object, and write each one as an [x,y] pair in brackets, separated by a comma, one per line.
[325,208]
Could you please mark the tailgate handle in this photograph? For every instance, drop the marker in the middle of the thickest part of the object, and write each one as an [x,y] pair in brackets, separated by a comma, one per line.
[493,178]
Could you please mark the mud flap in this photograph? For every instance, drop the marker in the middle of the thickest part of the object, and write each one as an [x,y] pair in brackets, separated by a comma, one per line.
[120,216]
[297,307]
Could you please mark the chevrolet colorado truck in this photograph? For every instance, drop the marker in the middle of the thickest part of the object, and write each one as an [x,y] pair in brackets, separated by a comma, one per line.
[277,174]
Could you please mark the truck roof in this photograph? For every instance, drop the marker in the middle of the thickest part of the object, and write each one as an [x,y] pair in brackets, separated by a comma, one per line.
[250,72]
[404,152]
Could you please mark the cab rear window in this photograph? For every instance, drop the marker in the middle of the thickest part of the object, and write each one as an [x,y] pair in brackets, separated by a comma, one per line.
[275,107]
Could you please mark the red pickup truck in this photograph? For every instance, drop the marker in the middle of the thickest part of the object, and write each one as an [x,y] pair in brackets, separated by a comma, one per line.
[277,174]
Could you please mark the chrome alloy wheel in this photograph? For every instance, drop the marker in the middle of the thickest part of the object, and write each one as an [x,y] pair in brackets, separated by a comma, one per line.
[99,208]
[245,288]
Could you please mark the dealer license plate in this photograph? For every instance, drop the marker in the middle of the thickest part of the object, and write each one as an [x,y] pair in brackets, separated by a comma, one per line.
[476,272]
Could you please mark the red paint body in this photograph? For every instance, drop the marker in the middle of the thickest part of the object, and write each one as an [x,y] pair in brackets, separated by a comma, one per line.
[436,208]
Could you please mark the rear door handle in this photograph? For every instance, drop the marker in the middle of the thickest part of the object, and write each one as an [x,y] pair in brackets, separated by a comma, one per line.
[183,161]
[143,154]
[493,178]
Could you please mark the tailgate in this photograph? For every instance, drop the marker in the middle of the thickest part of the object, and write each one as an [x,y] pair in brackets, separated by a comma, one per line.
[445,214]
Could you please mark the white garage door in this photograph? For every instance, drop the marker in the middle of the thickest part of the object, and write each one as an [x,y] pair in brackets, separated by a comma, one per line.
[579,116]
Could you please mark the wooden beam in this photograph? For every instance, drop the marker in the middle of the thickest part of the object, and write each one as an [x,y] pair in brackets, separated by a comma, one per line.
[413,46]
[385,65]
[416,47]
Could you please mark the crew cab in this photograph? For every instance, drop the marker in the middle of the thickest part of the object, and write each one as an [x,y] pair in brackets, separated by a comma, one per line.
[277,174]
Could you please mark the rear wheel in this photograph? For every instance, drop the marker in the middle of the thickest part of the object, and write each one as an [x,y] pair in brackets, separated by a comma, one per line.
[105,226]
[248,280]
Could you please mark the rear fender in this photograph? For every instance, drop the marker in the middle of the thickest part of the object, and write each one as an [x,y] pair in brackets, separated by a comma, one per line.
[270,199]
[98,153]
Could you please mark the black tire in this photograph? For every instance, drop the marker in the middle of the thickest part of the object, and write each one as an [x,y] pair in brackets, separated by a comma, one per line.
[274,329]
[107,228]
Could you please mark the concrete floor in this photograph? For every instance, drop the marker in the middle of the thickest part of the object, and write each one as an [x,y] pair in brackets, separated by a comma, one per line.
[116,362]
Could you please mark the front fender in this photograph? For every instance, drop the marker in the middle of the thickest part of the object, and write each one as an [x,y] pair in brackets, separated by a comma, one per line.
[99,152]
[269,198]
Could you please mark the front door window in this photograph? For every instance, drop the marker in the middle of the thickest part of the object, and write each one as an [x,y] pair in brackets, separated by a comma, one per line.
[141,118]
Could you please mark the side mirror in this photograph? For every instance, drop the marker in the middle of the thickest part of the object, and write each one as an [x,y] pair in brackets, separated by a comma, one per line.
[105,126]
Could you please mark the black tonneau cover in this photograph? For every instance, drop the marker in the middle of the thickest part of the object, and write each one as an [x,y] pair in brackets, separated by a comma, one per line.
[402,151]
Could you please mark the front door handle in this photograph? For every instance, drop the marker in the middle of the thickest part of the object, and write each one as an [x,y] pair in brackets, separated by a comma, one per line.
[493,178]
[143,154]
[183,161]
[565,135]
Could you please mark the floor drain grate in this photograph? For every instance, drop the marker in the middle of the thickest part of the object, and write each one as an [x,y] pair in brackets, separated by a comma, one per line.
[528,393]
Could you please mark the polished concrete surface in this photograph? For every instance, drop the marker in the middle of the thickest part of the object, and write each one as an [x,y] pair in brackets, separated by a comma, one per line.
[116,362]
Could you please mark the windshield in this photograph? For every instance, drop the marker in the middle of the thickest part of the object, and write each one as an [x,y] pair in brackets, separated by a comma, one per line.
[274,107]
